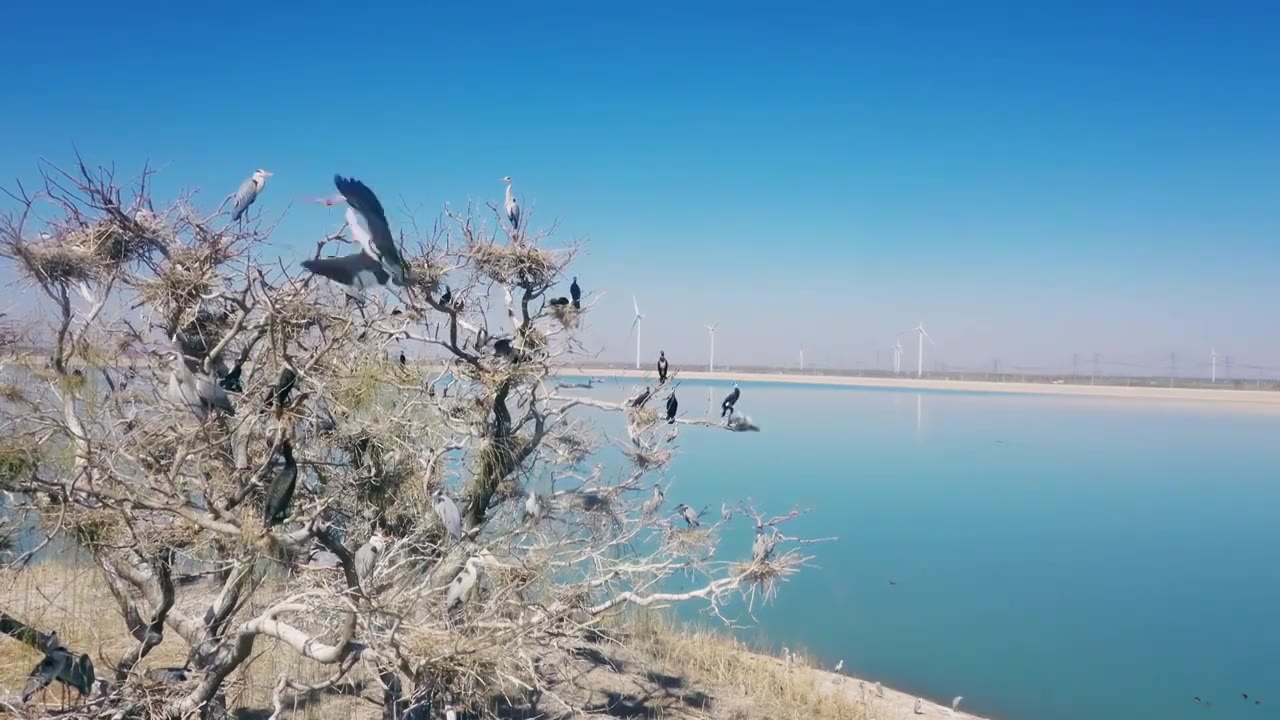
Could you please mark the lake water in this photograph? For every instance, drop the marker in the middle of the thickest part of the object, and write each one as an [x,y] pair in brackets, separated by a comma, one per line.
[1054,558]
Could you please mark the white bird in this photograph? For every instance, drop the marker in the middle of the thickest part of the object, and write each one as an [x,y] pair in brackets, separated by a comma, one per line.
[368,555]
[879,689]
[532,507]
[840,665]
[919,708]
[447,510]
[248,192]
[462,586]
[955,701]
[511,206]
[369,227]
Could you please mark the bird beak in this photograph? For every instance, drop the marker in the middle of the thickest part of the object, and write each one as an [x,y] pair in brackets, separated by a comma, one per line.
[268,174]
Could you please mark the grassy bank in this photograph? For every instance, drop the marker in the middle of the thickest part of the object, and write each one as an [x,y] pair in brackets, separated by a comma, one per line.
[641,666]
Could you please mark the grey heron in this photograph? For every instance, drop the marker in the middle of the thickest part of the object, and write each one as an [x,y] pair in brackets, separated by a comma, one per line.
[321,559]
[369,226]
[690,517]
[368,555]
[726,407]
[762,547]
[673,405]
[248,192]
[275,509]
[462,586]
[653,503]
[356,272]
[450,517]
[79,675]
[511,206]
[575,292]
[56,662]
[197,391]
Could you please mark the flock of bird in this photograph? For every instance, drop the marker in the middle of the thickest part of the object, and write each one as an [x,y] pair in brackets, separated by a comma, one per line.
[195,388]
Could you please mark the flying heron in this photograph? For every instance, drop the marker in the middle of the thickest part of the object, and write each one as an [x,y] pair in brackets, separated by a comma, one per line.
[248,192]
[369,226]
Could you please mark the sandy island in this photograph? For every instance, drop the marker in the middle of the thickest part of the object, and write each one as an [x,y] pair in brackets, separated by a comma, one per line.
[1256,398]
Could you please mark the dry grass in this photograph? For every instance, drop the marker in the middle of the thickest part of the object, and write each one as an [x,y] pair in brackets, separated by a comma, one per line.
[655,669]
[746,683]
[74,601]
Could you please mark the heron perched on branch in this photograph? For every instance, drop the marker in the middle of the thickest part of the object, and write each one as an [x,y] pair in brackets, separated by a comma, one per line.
[511,206]
[368,554]
[450,517]
[196,390]
[248,192]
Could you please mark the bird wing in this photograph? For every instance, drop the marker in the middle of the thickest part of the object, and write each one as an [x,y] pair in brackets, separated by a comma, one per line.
[245,196]
[360,197]
[343,269]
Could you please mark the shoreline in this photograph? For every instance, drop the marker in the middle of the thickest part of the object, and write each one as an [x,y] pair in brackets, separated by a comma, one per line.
[1256,398]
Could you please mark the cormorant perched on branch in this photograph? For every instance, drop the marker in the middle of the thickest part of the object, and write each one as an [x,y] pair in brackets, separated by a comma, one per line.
[575,292]
[730,400]
[275,509]
[672,406]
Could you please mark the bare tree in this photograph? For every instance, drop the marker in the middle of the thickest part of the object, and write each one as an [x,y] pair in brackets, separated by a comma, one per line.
[168,496]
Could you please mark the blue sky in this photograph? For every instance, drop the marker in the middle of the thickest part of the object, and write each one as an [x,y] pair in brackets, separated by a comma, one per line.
[1032,180]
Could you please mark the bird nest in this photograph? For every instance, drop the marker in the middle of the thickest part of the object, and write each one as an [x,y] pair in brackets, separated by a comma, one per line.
[53,261]
[646,458]
[106,240]
[687,541]
[566,315]
[424,274]
[516,264]
[190,274]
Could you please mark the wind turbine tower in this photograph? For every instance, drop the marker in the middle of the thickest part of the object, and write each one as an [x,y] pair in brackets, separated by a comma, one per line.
[1213,365]
[635,325]
[711,329]
[919,328]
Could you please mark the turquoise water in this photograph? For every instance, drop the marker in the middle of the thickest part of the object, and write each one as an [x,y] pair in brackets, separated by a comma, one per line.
[1054,558]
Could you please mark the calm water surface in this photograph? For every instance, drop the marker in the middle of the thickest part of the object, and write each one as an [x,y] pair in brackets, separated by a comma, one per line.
[1054,558]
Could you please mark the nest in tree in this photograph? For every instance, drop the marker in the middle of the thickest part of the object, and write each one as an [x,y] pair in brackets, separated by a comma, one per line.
[17,460]
[101,526]
[106,240]
[566,315]
[55,261]
[424,274]
[515,264]
[190,274]
[646,458]
[570,446]
[687,541]
[296,308]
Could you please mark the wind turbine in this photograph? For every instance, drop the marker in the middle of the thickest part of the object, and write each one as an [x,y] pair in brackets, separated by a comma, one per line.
[1213,365]
[897,358]
[635,325]
[919,328]
[711,365]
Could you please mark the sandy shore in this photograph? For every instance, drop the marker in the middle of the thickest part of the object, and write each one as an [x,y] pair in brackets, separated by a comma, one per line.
[1256,398]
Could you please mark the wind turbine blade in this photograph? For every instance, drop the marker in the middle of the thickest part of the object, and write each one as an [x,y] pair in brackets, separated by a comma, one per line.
[636,304]
[634,322]
[926,337]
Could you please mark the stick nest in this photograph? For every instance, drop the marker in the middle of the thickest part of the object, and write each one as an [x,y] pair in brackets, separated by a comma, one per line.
[516,264]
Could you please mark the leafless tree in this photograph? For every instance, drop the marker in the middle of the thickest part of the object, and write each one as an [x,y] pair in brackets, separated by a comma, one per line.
[169,504]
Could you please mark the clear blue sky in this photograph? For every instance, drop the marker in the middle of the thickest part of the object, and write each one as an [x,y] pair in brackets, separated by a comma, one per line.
[1030,179]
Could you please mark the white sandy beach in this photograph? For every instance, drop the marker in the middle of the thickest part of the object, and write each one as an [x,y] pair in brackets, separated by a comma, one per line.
[1256,398]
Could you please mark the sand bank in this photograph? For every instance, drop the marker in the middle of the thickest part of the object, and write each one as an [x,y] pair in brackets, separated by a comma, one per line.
[1263,398]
